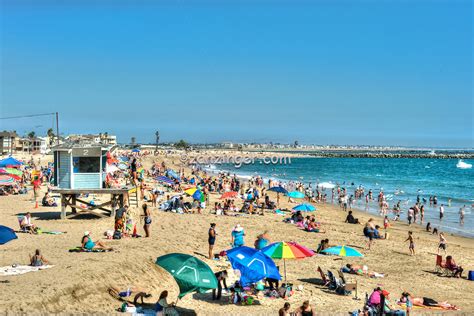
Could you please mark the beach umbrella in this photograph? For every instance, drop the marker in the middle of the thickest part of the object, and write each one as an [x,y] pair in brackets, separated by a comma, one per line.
[6,179]
[191,191]
[296,195]
[198,195]
[6,234]
[231,194]
[287,250]
[343,251]
[326,185]
[14,171]
[305,207]
[10,161]
[253,265]
[191,274]
[136,150]
[278,189]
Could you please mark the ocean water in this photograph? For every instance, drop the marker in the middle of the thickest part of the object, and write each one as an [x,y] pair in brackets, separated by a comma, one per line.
[400,179]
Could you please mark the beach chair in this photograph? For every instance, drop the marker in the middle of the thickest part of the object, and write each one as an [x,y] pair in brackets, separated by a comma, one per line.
[332,281]
[323,276]
[348,285]
[439,267]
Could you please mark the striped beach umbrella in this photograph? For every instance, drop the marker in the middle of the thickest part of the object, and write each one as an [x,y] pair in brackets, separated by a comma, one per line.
[6,179]
[305,207]
[14,171]
[287,250]
[343,251]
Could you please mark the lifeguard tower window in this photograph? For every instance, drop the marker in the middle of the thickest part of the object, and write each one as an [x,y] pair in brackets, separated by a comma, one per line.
[86,164]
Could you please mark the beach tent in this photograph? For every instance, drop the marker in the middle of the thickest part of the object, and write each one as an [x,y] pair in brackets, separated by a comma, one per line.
[287,250]
[278,189]
[343,251]
[305,207]
[296,195]
[10,161]
[191,274]
[6,234]
[253,265]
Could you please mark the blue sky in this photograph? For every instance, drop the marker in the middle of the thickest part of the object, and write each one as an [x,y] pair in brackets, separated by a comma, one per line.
[325,72]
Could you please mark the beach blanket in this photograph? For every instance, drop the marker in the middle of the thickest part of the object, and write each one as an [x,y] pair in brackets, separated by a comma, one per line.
[10,270]
[80,249]
[404,307]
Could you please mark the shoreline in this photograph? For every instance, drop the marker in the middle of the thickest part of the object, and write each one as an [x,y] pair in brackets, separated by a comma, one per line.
[371,210]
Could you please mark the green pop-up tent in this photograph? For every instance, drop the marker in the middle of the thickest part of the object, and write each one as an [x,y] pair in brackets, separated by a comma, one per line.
[191,274]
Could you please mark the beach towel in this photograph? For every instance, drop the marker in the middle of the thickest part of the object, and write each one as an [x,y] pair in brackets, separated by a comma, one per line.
[80,249]
[10,270]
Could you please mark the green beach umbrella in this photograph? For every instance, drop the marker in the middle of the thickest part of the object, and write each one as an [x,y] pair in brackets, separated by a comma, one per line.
[14,171]
[191,274]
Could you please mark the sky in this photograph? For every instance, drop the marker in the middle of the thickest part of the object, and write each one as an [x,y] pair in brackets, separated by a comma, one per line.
[320,72]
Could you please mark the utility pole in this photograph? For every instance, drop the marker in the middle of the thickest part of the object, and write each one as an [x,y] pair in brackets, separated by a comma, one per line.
[157,134]
[57,126]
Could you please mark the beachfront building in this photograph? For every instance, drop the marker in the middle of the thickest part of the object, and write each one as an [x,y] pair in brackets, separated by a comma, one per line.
[80,165]
[8,142]
[101,138]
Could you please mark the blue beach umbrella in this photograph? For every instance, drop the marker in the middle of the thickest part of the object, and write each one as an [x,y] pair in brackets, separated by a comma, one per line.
[343,251]
[305,207]
[197,195]
[253,265]
[10,161]
[278,189]
[296,195]
[135,150]
[6,234]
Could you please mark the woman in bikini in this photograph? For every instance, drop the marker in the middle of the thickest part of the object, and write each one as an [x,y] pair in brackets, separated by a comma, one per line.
[147,217]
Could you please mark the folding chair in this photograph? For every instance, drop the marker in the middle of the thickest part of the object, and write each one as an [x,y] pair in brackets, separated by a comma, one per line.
[323,276]
[349,285]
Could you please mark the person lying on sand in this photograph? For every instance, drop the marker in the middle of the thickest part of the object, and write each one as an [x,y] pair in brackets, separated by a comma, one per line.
[361,270]
[426,302]
[37,260]
[88,244]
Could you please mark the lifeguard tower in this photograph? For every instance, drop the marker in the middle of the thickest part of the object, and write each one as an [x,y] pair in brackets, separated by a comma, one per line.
[80,169]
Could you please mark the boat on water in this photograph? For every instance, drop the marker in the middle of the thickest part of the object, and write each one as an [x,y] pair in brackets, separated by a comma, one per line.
[463,165]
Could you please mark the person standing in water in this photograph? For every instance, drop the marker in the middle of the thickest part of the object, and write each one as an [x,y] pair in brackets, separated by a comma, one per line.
[441,212]
[461,215]
[412,243]
[422,214]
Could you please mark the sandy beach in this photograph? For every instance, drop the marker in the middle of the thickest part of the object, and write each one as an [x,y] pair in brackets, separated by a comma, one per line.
[78,282]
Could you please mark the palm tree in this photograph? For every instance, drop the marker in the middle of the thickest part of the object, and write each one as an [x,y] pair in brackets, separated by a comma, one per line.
[50,134]
[31,135]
